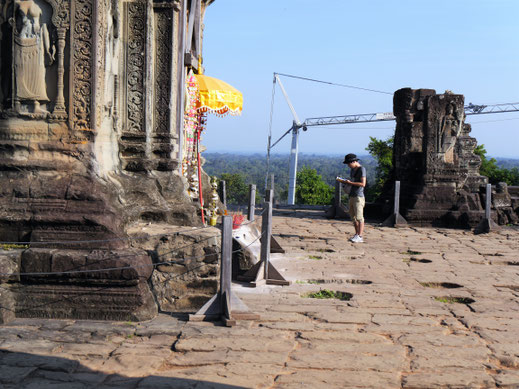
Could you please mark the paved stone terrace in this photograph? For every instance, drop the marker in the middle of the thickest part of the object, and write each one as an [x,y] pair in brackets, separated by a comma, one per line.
[392,333]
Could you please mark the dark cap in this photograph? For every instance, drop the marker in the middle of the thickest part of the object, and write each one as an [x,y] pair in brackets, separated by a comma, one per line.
[349,158]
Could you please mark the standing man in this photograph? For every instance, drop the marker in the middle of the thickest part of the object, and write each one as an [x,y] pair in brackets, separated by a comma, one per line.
[357,183]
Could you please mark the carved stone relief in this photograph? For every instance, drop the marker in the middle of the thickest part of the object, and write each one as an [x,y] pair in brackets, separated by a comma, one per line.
[434,159]
[164,19]
[135,67]
[148,139]
[449,128]
[133,140]
[33,34]
[31,47]
[82,65]
[163,48]
[100,44]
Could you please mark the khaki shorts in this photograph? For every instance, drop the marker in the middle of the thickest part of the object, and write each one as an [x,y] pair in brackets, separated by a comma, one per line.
[357,208]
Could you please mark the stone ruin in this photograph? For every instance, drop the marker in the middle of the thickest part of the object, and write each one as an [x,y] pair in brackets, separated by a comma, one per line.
[91,111]
[434,160]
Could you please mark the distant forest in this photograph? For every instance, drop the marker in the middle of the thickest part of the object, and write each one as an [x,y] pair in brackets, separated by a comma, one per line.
[253,167]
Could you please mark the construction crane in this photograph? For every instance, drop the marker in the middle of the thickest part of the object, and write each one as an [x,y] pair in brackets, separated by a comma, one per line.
[297,125]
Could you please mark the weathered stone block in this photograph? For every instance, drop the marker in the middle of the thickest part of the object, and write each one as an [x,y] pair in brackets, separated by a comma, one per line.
[435,163]
[124,303]
[190,276]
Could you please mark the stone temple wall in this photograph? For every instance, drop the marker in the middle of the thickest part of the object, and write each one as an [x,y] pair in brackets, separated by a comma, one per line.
[434,160]
[90,106]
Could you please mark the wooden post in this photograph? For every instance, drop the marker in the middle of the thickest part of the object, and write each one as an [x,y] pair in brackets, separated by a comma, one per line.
[223,194]
[337,210]
[488,202]
[272,188]
[275,247]
[252,202]
[264,272]
[395,220]
[338,193]
[487,224]
[396,205]
[269,195]
[266,231]
[225,270]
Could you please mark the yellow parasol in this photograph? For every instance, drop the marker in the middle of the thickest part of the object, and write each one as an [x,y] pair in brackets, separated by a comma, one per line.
[216,96]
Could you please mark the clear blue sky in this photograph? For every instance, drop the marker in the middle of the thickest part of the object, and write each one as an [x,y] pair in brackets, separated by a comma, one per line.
[468,47]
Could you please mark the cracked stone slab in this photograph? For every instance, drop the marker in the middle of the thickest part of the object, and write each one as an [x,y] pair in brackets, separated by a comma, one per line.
[451,378]
[296,379]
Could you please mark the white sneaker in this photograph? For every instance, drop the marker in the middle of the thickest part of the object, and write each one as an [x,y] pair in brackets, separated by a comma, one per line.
[357,239]
[352,239]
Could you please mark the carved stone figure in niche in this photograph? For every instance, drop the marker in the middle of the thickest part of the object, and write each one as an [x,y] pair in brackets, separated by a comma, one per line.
[449,131]
[31,44]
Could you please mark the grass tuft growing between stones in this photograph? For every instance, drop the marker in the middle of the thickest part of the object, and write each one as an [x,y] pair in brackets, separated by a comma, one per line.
[338,281]
[445,285]
[13,246]
[325,250]
[316,257]
[411,252]
[328,294]
[306,282]
[455,300]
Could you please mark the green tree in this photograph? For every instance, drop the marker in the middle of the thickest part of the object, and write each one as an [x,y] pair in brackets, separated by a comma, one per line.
[382,151]
[495,174]
[311,189]
[488,167]
[237,191]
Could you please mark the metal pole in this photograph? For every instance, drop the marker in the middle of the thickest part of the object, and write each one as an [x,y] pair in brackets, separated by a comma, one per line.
[293,167]
[266,231]
[397,198]
[294,113]
[252,202]
[488,201]
[225,270]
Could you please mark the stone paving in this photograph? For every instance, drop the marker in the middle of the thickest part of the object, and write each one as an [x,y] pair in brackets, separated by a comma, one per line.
[401,327]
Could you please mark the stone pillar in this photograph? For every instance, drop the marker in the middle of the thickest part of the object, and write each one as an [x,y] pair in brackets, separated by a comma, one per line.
[434,159]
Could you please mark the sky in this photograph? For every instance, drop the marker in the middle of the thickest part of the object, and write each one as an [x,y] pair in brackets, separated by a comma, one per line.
[468,47]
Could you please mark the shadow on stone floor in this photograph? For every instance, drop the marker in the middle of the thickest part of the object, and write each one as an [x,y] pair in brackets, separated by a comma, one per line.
[29,371]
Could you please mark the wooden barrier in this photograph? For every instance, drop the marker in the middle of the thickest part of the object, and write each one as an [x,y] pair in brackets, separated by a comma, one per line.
[264,271]
[225,305]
